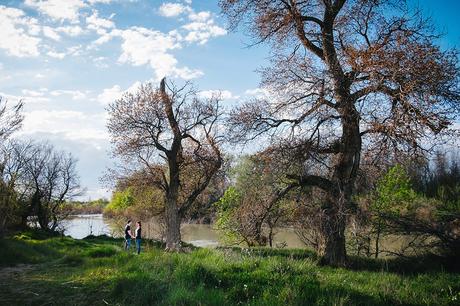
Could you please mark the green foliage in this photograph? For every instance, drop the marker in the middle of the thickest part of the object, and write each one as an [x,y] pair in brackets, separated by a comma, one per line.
[394,193]
[71,272]
[121,200]
[225,222]
[396,209]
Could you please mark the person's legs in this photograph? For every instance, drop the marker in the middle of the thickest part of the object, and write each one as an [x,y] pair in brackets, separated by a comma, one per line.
[138,245]
[127,243]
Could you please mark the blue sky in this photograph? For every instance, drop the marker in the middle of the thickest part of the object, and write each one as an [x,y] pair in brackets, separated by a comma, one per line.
[68,58]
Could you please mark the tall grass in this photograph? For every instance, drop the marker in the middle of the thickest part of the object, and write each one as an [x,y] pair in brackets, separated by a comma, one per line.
[98,271]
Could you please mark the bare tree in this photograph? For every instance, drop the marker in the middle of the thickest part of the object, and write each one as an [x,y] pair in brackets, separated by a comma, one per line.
[10,121]
[43,179]
[345,74]
[174,135]
[10,118]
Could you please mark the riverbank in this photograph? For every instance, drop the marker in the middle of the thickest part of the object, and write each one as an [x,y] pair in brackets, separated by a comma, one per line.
[38,269]
[202,235]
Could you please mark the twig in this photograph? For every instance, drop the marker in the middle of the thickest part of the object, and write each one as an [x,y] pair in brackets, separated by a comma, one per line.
[69,282]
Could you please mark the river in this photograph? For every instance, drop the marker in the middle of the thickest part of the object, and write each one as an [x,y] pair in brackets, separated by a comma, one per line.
[202,235]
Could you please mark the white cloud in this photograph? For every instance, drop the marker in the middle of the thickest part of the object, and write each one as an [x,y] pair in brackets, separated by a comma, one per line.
[74,50]
[16,33]
[33,93]
[103,39]
[96,193]
[143,46]
[96,23]
[58,9]
[109,95]
[39,76]
[202,28]
[169,9]
[28,99]
[200,17]
[5,77]
[73,125]
[101,62]
[259,93]
[54,54]
[76,94]
[73,30]
[92,2]
[51,33]
[223,94]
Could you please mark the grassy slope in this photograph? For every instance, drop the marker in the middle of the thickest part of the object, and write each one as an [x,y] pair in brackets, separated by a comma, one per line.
[96,271]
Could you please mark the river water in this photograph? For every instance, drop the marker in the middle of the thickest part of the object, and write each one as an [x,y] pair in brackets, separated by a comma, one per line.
[202,235]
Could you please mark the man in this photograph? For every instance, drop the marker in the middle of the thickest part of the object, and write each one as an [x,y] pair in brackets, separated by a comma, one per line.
[128,235]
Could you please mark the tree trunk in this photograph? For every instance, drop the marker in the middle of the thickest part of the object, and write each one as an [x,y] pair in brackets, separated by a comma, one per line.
[270,235]
[377,241]
[332,247]
[173,220]
[339,200]
[43,217]
[172,216]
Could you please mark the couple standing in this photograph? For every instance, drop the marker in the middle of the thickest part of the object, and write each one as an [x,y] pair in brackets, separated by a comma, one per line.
[129,235]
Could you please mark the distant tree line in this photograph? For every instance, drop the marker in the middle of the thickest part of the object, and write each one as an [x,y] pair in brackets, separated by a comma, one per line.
[74,207]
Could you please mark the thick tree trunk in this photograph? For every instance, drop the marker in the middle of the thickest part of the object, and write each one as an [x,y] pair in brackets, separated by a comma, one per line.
[173,220]
[332,247]
[339,200]
[172,214]
[43,217]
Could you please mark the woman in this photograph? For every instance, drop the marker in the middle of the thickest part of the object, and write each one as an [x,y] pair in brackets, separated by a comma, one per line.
[138,237]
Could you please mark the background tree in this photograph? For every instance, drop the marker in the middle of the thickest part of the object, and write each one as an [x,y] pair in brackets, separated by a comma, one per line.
[10,118]
[172,134]
[136,198]
[10,121]
[50,179]
[393,195]
[40,180]
[345,74]
[253,205]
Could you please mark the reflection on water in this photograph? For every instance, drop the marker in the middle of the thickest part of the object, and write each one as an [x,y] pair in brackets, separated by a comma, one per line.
[80,226]
[202,235]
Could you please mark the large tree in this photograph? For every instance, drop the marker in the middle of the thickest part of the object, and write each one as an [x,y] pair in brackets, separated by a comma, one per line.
[172,135]
[345,75]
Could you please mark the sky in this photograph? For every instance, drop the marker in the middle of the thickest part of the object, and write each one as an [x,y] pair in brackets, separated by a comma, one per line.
[67,59]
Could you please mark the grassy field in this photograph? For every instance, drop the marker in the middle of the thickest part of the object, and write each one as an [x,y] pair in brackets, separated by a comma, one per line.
[36,269]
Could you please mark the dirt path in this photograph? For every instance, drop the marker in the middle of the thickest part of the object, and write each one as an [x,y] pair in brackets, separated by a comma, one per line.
[14,272]
[10,277]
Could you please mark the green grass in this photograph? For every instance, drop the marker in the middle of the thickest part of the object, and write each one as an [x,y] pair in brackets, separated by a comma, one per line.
[49,270]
